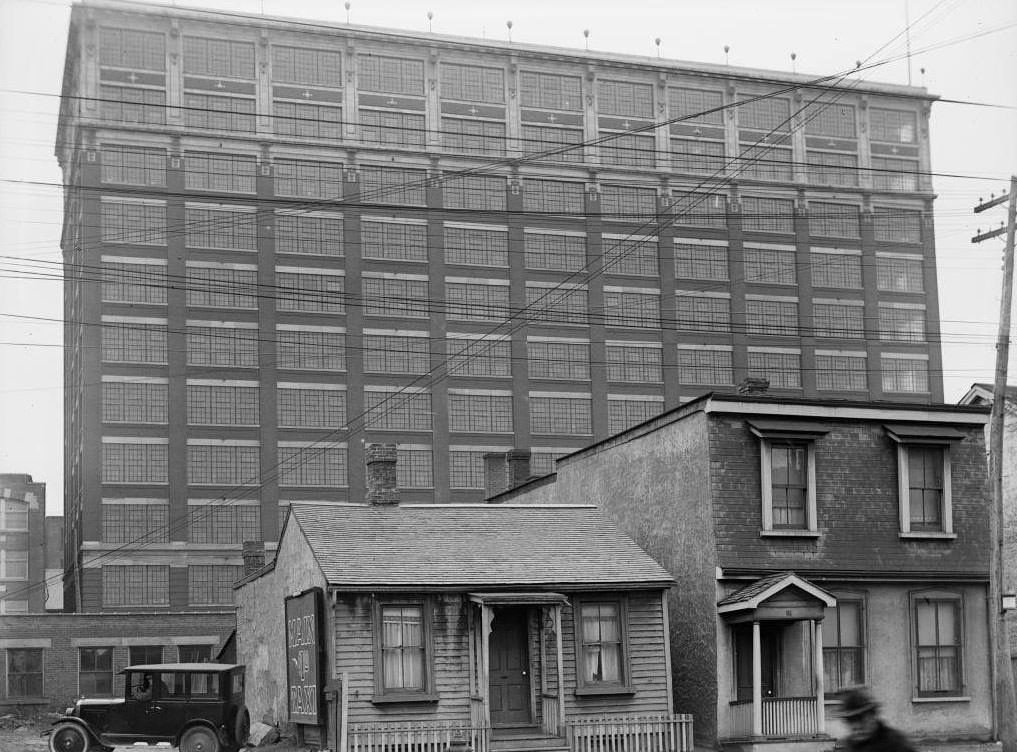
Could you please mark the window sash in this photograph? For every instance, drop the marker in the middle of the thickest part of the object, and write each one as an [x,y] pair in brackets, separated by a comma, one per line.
[600,636]
[95,672]
[402,649]
[24,672]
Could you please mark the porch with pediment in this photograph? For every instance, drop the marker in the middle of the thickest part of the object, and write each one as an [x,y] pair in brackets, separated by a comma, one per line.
[775,628]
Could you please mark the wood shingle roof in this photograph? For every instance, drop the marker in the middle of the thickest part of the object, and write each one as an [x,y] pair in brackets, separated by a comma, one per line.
[473,545]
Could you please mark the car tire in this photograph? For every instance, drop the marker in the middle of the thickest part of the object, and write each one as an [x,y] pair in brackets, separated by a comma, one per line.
[199,739]
[69,737]
[241,727]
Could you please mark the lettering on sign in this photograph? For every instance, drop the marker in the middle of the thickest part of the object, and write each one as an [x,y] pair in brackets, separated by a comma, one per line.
[303,667]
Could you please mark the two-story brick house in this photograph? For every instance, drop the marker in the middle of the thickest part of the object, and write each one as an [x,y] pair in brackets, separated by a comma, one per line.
[816,544]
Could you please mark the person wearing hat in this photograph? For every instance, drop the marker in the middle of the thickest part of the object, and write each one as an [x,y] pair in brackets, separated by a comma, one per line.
[866,730]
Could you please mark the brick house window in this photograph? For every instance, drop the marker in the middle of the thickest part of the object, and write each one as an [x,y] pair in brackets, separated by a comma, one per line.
[402,651]
[924,479]
[478,356]
[905,372]
[195,653]
[212,585]
[140,655]
[95,672]
[937,627]
[601,645]
[24,672]
[788,476]
[844,643]
[474,411]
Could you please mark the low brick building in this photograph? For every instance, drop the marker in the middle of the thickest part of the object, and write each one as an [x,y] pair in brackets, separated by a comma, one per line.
[49,660]
[816,544]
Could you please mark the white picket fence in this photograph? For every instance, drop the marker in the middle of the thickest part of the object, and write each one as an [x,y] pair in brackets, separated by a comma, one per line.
[665,733]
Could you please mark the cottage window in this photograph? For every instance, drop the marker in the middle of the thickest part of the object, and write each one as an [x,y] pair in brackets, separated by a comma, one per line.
[601,645]
[938,644]
[402,652]
[924,480]
[788,476]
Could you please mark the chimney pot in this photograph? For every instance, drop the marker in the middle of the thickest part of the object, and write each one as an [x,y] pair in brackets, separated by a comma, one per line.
[382,489]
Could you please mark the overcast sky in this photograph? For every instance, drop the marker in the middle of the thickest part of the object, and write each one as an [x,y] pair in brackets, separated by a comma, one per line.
[967,48]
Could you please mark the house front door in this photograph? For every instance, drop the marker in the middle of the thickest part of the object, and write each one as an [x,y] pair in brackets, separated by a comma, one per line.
[509,669]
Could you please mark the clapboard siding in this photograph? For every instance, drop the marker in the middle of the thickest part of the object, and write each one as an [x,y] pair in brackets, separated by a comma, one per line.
[646,662]
[354,655]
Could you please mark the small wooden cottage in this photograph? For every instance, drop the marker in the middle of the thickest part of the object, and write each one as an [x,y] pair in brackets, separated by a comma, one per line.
[506,627]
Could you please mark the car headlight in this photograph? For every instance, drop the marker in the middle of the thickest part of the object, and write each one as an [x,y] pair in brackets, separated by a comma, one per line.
[69,711]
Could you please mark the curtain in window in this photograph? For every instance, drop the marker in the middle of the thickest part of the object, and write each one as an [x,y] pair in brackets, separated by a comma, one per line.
[938,652]
[601,643]
[402,648]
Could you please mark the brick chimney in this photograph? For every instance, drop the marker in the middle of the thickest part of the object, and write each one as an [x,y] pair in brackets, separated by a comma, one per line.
[518,461]
[505,470]
[495,474]
[754,386]
[381,474]
[254,556]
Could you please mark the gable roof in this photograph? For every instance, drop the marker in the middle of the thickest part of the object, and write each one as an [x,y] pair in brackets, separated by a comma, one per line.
[473,545]
[751,596]
[982,394]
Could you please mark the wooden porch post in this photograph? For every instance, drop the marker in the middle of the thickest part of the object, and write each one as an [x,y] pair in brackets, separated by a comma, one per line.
[560,661]
[757,681]
[486,617]
[820,689]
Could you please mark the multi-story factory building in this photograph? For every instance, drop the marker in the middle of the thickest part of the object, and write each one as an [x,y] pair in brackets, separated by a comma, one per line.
[284,239]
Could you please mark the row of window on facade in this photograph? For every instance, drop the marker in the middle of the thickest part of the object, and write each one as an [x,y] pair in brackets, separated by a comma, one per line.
[935,621]
[132,279]
[145,221]
[790,474]
[300,465]
[305,346]
[25,667]
[307,102]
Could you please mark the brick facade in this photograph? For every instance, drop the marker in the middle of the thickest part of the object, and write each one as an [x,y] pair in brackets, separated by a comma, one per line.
[61,637]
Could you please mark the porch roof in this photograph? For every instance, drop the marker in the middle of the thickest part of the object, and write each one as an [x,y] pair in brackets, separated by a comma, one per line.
[752,596]
[473,546]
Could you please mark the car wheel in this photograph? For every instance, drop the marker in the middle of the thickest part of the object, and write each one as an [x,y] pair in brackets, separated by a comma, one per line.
[69,737]
[241,727]
[199,739]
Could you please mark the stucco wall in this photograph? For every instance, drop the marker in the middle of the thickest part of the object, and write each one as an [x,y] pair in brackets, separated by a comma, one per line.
[657,488]
[889,664]
[261,625]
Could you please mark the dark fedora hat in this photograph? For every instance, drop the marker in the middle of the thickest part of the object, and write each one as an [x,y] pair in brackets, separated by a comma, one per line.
[856,701]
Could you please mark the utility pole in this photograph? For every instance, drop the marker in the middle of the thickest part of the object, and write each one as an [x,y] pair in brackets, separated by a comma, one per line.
[1005,715]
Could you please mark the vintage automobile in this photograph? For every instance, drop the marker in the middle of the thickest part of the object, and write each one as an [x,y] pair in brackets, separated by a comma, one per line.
[197,707]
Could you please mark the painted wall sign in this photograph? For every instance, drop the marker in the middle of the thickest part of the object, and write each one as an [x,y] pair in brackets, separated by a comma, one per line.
[304,643]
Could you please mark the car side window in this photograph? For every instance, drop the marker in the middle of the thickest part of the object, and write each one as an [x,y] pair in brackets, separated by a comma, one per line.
[204,685]
[171,685]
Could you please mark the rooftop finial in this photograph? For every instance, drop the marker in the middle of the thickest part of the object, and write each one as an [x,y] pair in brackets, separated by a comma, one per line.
[347,6]
[430,16]
[586,35]
[727,49]
[508,25]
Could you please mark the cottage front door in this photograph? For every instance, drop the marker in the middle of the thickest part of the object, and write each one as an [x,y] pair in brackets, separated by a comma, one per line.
[509,669]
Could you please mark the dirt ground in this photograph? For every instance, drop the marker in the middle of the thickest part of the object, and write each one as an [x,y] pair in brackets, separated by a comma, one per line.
[27,738]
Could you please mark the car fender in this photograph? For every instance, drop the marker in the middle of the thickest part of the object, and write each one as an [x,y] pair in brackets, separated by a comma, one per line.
[77,721]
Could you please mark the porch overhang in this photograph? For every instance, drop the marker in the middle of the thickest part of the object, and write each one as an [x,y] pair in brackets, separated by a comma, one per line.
[777,597]
[518,599]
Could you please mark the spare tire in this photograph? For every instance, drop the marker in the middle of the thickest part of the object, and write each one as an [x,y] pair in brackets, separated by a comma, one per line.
[241,726]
